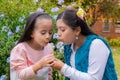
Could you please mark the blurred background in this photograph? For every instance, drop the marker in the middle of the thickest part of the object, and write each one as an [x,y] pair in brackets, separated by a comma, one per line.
[103,17]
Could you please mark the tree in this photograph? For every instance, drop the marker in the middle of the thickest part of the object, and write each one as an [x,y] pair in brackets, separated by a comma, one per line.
[109,9]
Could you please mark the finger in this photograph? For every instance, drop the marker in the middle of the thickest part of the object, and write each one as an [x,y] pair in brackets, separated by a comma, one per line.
[51,64]
[51,61]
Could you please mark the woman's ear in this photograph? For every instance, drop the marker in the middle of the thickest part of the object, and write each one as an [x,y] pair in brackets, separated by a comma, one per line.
[31,35]
[78,30]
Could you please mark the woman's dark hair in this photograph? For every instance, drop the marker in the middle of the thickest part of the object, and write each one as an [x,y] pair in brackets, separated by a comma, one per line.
[30,25]
[72,20]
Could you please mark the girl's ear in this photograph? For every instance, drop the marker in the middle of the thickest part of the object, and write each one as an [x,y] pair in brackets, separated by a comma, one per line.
[78,30]
[31,35]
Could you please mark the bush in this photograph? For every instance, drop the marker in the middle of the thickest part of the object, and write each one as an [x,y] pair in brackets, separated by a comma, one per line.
[13,15]
[114,42]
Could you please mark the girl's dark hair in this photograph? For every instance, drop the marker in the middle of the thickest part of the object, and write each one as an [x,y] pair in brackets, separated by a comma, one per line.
[73,21]
[30,25]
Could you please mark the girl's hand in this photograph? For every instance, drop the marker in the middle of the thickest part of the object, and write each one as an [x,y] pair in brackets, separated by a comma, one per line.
[45,61]
[58,64]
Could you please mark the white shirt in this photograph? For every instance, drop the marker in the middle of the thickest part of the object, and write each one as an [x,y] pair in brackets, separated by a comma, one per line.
[98,56]
[42,74]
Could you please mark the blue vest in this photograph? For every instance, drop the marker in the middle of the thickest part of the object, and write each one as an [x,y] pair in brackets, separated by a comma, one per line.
[82,55]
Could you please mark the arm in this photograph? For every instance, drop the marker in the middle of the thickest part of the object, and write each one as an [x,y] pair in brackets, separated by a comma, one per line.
[98,56]
[19,63]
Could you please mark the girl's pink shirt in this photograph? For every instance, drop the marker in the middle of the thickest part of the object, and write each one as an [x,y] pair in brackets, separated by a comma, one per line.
[23,57]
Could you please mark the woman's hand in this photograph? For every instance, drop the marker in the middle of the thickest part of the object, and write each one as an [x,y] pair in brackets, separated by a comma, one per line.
[58,64]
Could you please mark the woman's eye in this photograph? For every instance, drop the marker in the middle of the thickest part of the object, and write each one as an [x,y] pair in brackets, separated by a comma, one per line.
[62,30]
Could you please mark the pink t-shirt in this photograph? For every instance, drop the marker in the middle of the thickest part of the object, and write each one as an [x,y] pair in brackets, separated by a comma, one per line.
[23,57]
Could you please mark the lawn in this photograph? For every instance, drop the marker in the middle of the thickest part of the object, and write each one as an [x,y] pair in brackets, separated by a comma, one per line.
[116,56]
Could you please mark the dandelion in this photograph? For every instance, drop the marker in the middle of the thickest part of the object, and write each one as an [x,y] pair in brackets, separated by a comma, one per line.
[52,45]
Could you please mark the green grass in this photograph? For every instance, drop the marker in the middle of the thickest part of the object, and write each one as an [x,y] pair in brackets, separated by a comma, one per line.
[116,56]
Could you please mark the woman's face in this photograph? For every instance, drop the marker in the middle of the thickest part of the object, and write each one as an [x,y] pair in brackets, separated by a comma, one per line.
[42,32]
[65,33]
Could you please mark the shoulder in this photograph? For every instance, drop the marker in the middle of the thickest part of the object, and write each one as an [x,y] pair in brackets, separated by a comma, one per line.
[98,42]
[99,45]
[20,45]
[19,48]
[97,39]
[18,52]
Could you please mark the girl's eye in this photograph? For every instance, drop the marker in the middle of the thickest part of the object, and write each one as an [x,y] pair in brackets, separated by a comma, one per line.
[43,32]
[50,33]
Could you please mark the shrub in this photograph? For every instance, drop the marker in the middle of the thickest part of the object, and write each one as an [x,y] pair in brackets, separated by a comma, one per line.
[114,42]
[13,15]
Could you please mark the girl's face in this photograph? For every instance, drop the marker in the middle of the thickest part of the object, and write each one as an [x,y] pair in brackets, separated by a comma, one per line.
[65,33]
[42,32]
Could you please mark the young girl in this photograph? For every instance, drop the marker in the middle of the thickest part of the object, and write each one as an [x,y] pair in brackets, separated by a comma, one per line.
[32,57]
[87,55]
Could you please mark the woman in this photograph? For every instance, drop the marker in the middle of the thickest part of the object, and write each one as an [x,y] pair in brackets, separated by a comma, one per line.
[87,55]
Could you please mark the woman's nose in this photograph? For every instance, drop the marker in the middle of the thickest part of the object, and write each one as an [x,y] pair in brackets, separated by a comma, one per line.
[59,34]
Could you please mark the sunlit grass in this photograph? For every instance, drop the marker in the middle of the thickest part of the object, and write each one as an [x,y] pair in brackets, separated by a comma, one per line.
[116,56]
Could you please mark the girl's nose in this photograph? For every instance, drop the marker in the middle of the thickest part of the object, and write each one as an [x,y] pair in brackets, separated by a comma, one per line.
[48,36]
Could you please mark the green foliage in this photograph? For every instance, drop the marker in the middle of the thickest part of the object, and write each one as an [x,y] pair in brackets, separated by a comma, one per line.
[109,9]
[13,15]
[114,42]
[10,14]
[56,74]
